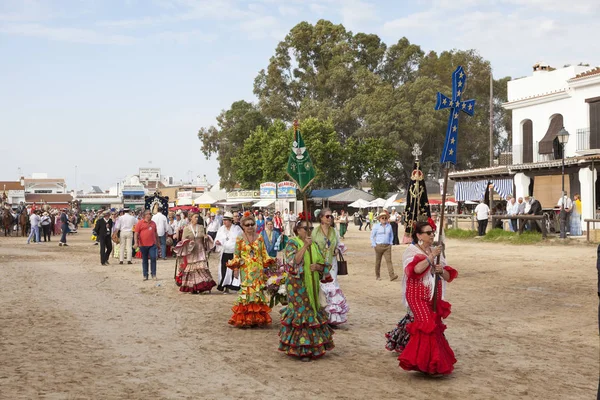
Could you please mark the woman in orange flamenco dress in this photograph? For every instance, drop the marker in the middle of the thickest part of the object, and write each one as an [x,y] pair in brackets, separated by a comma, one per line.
[427,349]
[248,264]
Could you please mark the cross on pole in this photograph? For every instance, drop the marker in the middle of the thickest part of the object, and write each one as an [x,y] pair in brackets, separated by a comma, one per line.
[416,151]
[456,105]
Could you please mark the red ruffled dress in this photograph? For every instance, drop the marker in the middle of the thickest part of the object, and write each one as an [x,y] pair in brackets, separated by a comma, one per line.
[427,349]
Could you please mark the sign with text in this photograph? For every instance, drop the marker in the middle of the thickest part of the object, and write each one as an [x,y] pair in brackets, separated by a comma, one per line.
[243,194]
[286,190]
[149,174]
[268,190]
[184,194]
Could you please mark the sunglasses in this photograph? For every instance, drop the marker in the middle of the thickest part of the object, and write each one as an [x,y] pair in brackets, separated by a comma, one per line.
[249,225]
[386,218]
[328,216]
[307,228]
[427,233]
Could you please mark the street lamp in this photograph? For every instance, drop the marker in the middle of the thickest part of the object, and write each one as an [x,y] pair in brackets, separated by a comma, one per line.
[563,138]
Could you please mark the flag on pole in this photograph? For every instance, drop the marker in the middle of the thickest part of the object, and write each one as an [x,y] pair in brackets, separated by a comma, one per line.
[300,167]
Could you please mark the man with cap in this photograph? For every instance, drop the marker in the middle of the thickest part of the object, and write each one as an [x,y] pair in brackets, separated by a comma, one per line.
[103,228]
[124,225]
[382,238]
[225,242]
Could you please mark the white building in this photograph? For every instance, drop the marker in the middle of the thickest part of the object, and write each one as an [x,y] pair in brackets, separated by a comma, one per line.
[542,105]
[39,183]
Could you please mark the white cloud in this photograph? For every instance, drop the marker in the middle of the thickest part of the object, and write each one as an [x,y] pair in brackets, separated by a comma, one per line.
[262,27]
[512,39]
[184,37]
[356,12]
[420,20]
[288,11]
[570,6]
[73,35]
[317,8]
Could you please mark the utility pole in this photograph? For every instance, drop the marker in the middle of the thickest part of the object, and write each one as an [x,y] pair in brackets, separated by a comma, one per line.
[491,119]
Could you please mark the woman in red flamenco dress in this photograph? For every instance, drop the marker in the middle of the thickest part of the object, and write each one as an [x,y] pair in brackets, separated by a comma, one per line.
[427,349]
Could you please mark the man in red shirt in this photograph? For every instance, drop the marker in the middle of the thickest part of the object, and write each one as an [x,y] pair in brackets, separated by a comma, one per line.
[146,236]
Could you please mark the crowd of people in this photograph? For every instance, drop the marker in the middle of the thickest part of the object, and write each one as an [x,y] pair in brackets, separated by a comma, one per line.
[299,252]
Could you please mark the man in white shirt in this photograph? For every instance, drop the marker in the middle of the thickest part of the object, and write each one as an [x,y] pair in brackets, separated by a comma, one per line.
[225,242]
[125,224]
[213,226]
[512,208]
[565,213]
[34,220]
[293,219]
[162,227]
[482,211]
[286,222]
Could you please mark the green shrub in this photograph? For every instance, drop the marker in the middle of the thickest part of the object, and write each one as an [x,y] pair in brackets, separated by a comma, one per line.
[499,235]
[460,233]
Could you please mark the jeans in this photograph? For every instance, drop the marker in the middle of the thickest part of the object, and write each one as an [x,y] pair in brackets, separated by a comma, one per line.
[35,231]
[148,251]
[65,229]
[125,247]
[163,247]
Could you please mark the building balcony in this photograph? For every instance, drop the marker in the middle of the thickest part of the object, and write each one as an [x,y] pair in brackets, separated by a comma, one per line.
[583,139]
[516,155]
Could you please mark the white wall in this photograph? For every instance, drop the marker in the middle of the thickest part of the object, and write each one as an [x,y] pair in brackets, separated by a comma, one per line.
[542,82]
[575,112]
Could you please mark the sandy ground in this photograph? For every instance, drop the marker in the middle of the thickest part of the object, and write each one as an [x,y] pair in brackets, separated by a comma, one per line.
[523,326]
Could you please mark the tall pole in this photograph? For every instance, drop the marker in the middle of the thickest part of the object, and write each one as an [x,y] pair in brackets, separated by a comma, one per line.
[491,119]
[563,216]
[441,231]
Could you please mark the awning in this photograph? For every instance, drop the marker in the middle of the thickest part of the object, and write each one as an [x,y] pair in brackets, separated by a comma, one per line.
[546,145]
[211,197]
[232,202]
[263,203]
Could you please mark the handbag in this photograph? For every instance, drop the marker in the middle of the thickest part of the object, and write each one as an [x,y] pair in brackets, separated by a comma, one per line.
[116,237]
[342,265]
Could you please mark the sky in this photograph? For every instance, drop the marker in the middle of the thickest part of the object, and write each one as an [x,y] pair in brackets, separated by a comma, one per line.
[92,90]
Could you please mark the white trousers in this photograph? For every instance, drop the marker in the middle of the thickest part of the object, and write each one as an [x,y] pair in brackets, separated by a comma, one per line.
[126,242]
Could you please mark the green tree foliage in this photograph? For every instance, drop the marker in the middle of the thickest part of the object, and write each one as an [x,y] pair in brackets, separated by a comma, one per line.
[233,128]
[362,106]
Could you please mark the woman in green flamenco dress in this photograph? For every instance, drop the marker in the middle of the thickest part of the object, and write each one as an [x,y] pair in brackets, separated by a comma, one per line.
[304,332]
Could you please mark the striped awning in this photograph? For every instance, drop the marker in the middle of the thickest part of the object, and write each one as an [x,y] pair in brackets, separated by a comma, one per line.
[475,190]
[470,190]
[504,187]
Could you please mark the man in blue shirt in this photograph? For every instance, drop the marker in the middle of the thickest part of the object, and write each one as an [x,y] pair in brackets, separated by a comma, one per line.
[382,238]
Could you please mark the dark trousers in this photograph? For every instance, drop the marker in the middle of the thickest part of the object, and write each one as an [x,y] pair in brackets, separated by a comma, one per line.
[513,222]
[149,251]
[65,229]
[105,248]
[482,226]
[224,258]
[46,231]
[394,225]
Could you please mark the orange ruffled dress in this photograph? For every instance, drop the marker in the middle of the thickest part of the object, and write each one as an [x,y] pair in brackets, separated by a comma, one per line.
[251,307]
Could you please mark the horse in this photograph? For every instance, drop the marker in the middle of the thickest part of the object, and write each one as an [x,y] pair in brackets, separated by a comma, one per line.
[23,221]
[7,222]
